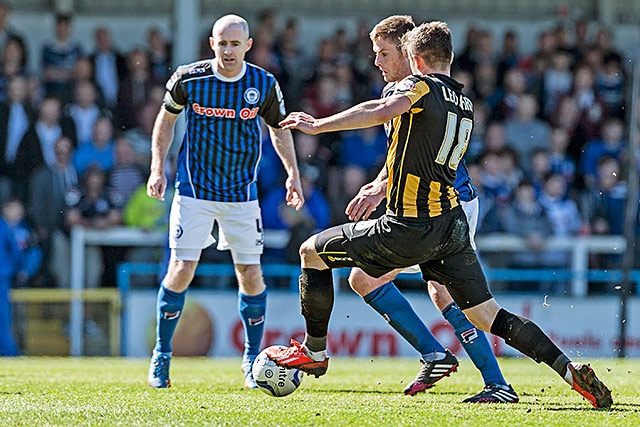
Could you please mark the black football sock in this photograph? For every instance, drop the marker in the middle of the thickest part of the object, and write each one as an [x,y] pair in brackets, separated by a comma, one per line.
[316,304]
[525,336]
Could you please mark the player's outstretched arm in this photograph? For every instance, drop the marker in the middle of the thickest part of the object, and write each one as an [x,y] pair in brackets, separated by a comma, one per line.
[363,115]
[283,144]
[368,198]
[160,143]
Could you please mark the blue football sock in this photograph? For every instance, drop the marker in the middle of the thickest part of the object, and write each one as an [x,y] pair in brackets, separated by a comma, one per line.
[169,306]
[475,343]
[396,310]
[252,312]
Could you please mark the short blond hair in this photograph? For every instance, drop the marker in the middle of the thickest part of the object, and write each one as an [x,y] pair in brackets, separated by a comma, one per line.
[432,42]
[393,29]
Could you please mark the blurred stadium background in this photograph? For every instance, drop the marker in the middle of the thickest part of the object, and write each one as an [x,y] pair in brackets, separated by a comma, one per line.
[555,88]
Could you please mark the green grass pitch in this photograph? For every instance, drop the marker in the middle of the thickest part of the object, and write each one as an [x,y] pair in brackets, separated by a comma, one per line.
[354,392]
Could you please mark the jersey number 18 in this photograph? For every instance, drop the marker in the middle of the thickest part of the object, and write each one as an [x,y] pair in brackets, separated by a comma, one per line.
[464,134]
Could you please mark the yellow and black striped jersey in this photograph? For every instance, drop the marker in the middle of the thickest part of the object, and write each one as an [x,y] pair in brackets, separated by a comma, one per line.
[425,146]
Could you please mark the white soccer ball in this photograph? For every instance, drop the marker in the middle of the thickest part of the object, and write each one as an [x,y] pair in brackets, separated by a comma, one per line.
[275,380]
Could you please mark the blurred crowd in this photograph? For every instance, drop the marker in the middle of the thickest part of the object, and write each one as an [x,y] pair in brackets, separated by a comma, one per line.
[547,151]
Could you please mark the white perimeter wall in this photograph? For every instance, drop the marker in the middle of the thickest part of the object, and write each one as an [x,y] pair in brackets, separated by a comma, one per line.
[583,328]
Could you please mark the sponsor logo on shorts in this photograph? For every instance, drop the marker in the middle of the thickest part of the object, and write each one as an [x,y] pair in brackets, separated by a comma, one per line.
[339,258]
[260,242]
[178,231]
[171,316]
[256,321]
[469,335]
[252,95]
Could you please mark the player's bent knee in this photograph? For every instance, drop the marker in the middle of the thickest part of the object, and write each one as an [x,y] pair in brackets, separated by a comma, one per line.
[309,256]
[483,315]
[362,283]
[439,295]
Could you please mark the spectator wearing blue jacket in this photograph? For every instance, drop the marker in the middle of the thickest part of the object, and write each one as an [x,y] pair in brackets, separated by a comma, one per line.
[10,264]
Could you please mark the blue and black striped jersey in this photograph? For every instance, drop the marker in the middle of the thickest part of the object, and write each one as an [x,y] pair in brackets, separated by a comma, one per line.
[221,149]
[463,185]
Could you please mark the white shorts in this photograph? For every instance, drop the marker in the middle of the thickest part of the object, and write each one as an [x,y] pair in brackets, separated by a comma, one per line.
[471,210]
[239,224]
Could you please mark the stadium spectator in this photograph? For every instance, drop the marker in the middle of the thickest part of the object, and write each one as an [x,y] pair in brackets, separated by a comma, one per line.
[83,71]
[566,43]
[16,117]
[509,56]
[510,169]
[488,218]
[94,205]
[604,42]
[494,137]
[524,216]
[140,136]
[559,161]
[610,85]
[591,109]
[525,132]
[13,213]
[601,207]
[565,222]
[109,66]
[159,54]
[492,176]
[48,189]
[37,145]
[361,56]
[602,204]
[9,266]
[480,123]
[83,111]
[505,107]
[353,178]
[59,58]
[322,63]
[321,99]
[126,176]
[557,79]
[611,144]
[291,57]
[539,169]
[134,89]
[364,148]
[535,64]
[315,215]
[485,83]
[581,39]
[13,63]
[6,29]
[99,150]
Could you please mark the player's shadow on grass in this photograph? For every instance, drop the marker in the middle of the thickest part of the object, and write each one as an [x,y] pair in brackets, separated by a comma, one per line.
[617,407]
[389,392]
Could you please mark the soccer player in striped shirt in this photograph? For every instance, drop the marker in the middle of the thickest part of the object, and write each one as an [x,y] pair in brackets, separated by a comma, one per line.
[431,123]
[381,293]
[223,99]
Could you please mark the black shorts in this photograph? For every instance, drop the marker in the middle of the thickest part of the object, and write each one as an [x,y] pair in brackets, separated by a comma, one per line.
[440,245]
